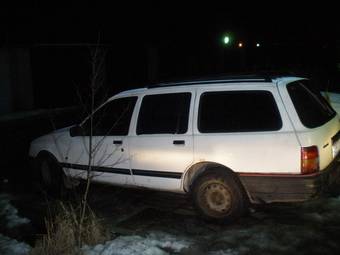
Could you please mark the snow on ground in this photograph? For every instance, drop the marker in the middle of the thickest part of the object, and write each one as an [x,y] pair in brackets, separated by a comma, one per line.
[305,228]
[9,214]
[155,243]
[10,246]
[10,219]
[308,228]
[334,99]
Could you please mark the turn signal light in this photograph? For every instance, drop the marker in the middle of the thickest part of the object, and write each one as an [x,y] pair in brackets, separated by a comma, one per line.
[309,160]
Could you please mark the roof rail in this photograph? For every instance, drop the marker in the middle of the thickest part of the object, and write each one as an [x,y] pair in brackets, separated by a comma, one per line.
[214,79]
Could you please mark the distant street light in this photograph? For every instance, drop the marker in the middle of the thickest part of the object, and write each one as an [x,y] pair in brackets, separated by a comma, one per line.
[226,39]
[258,45]
[240,44]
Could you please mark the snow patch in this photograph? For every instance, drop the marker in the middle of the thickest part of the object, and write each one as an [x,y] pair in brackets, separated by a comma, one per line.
[10,246]
[284,230]
[156,243]
[334,99]
[226,252]
[9,214]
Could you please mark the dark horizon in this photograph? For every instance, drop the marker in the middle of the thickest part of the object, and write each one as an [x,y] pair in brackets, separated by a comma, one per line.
[148,43]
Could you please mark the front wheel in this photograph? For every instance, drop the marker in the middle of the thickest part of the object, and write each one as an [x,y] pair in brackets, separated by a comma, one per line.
[218,196]
[49,174]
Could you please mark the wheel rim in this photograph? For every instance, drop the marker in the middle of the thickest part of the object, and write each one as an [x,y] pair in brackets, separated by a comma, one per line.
[217,197]
[46,173]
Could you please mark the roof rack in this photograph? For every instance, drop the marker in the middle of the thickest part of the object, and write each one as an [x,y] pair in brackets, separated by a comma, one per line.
[215,79]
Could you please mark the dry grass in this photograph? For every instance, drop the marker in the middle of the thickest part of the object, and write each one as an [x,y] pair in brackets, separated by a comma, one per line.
[62,235]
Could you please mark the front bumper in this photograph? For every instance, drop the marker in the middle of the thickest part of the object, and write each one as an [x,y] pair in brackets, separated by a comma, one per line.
[268,188]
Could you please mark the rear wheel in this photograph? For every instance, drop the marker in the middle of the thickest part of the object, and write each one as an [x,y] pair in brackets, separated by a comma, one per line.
[218,196]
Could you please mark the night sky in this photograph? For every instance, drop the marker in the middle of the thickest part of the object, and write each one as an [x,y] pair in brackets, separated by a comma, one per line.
[172,40]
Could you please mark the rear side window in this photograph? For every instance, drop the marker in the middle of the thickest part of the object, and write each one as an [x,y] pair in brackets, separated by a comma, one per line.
[238,111]
[164,114]
[311,107]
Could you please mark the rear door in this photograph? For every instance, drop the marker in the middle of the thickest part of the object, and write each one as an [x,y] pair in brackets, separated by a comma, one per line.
[246,130]
[161,148]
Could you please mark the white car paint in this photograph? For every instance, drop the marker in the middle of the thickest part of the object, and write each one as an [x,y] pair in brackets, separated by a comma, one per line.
[250,152]
[275,152]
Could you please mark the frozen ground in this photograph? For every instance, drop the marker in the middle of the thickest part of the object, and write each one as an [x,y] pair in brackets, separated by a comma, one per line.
[10,246]
[9,220]
[334,99]
[9,214]
[162,228]
[154,243]
[154,223]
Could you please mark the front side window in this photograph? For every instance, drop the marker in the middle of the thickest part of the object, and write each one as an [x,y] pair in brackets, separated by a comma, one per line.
[311,107]
[238,111]
[164,114]
[113,118]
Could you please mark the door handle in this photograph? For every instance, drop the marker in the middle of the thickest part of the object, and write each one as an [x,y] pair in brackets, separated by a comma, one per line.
[118,142]
[178,142]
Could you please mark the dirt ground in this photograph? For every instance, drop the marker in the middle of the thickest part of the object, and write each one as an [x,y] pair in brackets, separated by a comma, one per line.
[307,228]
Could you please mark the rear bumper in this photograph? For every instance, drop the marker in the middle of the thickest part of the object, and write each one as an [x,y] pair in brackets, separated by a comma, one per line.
[268,188]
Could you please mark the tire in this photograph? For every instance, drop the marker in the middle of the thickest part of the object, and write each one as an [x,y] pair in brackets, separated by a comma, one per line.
[49,176]
[218,196]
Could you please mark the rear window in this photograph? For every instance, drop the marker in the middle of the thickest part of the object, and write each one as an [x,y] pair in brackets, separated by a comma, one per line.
[238,111]
[311,107]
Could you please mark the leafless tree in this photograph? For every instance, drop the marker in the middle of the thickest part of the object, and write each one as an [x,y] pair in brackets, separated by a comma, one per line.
[96,83]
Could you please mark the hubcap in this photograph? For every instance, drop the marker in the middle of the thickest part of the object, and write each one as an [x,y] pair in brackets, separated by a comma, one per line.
[218,197]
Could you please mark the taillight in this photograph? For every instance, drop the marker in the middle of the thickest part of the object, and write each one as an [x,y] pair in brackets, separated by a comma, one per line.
[309,160]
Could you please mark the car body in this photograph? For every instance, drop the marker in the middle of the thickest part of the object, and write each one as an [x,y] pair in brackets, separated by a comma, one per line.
[250,138]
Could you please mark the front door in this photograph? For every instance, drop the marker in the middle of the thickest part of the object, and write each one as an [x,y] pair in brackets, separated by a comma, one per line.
[110,151]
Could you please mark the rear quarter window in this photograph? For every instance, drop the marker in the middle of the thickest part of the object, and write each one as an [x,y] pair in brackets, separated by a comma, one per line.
[312,108]
[238,111]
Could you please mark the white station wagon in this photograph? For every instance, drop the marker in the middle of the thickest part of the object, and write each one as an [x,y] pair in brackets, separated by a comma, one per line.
[225,142]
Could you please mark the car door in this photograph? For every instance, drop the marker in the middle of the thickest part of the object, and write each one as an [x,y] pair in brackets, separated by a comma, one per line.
[161,148]
[110,151]
[247,130]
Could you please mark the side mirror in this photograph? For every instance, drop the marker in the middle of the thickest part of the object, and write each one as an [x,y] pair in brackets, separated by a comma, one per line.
[76,131]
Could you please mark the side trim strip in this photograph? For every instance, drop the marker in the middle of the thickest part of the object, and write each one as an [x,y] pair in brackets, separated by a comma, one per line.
[98,168]
[270,175]
[163,174]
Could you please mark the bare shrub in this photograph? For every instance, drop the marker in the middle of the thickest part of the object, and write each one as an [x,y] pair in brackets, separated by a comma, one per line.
[62,235]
